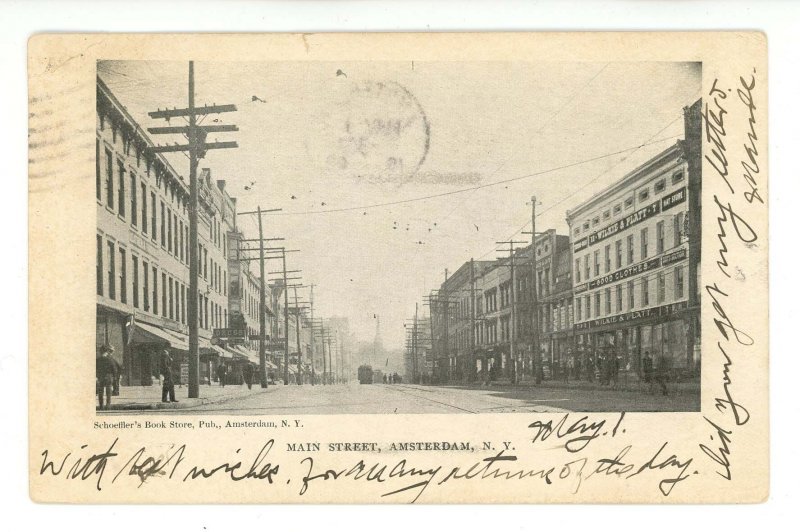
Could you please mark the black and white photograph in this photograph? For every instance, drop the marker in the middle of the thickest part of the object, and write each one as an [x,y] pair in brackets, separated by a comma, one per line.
[397,237]
[399,268]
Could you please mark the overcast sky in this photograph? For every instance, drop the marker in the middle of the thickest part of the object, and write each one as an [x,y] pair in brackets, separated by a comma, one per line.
[327,142]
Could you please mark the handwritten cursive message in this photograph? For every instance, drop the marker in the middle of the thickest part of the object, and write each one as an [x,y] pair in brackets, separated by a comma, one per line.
[735,237]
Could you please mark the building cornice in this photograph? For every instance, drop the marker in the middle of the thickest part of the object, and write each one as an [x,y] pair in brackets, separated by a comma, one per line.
[662,159]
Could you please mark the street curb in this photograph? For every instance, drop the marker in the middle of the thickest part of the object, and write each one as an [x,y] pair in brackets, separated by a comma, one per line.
[185,403]
[582,387]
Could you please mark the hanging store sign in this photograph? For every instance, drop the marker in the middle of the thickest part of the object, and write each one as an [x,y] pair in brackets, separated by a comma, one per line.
[230,333]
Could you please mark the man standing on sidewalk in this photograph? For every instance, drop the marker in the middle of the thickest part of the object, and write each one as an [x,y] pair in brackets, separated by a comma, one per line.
[662,373]
[647,370]
[105,375]
[222,372]
[248,375]
[168,389]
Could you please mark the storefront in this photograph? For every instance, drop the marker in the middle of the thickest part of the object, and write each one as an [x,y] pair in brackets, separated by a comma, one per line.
[661,331]
[111,331]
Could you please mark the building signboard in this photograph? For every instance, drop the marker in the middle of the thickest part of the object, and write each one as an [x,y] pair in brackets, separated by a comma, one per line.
[633,317]
[673,257]
[624,273]
[676,198]
[230,333]
[637,217]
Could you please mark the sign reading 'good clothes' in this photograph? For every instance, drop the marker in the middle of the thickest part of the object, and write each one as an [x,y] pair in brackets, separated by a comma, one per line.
[624,273]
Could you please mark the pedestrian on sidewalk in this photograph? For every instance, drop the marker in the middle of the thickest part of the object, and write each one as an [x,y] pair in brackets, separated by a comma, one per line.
[117,375]
[662,373]
[168,388]
[105,375]
[248,376]
[222,372]
[647,370]
[614,370]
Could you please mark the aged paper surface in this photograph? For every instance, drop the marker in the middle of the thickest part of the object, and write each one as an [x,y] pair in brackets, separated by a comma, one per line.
[649,381]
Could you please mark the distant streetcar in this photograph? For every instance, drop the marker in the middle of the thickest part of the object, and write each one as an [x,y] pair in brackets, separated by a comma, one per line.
[365,374]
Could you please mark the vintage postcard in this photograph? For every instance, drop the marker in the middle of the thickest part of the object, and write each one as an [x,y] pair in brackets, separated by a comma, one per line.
[399,268]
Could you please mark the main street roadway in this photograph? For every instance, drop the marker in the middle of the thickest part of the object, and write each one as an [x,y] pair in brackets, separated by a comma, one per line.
[354,398]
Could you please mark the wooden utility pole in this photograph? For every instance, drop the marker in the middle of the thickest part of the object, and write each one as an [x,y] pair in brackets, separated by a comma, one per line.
[432,304]
[311,304]
[285,323]
[197,148]
[537,351]
[414,343]
[262,311]
[262,296]
[512,322]
[472,375]
[324,360]
[297,331]
[330,362]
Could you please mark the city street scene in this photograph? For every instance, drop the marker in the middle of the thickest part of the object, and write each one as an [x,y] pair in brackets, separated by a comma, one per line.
[397,237]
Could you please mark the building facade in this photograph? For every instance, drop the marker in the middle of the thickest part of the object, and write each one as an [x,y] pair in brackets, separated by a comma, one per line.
[142,260]
[554,295]
[631,268]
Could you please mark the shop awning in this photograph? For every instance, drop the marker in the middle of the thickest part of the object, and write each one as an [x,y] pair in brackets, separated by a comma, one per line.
[207,348]
[180,341]
[144,333]
[248,354]
[228,352]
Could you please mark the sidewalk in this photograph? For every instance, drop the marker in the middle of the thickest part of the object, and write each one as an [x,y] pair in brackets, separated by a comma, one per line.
[149,397]
[632,385]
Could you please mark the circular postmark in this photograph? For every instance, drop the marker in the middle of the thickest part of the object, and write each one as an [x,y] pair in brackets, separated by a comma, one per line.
[378,133]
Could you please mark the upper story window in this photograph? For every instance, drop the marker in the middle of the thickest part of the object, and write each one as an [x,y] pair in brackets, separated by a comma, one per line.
[644,194]
[595,221]
[606,215]
[617,209]
[660,185]
[677,177]
[629,202]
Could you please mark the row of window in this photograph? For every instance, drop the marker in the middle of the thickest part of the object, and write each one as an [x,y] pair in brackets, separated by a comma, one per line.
[606,302]
[169,228]
[643,195]
[113,278]
[614,300]
[615,256]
